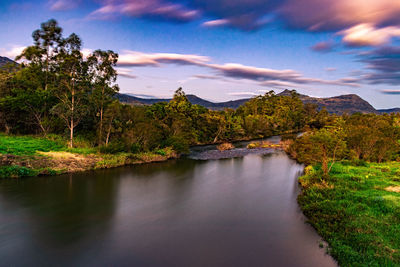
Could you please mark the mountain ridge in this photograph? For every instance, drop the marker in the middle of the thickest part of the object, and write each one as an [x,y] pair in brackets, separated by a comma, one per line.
[350,103]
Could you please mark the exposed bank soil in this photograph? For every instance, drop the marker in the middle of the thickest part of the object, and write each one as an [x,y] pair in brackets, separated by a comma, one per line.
[66,162]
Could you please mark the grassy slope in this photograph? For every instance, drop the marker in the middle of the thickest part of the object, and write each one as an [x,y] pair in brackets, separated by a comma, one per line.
[32,156]
[357,211]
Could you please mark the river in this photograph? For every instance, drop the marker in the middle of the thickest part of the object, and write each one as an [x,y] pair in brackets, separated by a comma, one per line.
[227,212]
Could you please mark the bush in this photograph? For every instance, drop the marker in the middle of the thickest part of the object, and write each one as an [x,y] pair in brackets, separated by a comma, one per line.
[160,152]
[113,148]
[16,171]
[178,143]
[360,163]
[135,148]
[253,145]
[309,170]
[225,146]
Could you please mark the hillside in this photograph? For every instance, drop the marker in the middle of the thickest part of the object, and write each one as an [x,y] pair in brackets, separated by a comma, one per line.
[339,104]
[4,61]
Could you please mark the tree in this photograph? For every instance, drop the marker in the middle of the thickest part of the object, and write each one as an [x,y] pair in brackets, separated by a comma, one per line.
[322,146]
[47,41]
[27,96]
[74,84]
[103,76]
[112,119]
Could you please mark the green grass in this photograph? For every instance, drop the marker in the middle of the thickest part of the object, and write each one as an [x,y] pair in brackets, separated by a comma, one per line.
[27,145]
[354,213]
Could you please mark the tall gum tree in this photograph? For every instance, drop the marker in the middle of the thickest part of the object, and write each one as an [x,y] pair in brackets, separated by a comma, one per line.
[74,84]
[103,77]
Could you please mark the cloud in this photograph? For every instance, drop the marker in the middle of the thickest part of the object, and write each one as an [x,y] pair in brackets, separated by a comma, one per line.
[390,92]
[63,5]
[369,35]
[216,23]
[330,69]
[12,51]
[360,22]
[243,94]
[328,15]
[229,70]
[151,9]
[267,75]
[125,72]
[384,65]
[323,47]
[132,58]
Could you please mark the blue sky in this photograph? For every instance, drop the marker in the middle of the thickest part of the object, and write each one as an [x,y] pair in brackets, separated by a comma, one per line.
[222,50]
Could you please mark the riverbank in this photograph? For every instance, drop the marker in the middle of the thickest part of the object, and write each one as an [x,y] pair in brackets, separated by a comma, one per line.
[33,156]
[357,211]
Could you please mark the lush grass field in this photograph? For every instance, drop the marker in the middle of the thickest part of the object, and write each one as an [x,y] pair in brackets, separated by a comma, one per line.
[27,145]
[357,211]
[31,156]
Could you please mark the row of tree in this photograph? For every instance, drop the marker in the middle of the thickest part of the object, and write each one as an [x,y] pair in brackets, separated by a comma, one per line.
[365,137]
[59,91]
[57,85]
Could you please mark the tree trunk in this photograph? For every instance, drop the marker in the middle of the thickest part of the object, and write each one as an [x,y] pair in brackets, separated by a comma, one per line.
[71,141]
[71,137]
[101,126]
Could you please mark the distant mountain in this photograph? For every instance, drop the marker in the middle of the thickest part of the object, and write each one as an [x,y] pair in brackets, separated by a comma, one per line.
[390,110]
[5,60]
[339,104]
[134,100]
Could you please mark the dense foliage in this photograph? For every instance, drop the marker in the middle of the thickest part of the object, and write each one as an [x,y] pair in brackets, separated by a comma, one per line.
[56,90]
[365,137]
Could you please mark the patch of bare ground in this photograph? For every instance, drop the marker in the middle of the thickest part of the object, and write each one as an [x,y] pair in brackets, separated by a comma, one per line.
[395,189]
[68,162]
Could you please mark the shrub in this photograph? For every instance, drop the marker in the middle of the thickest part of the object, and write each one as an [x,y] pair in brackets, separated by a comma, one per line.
[309,170]
[225,146]
[135,148]
[16,171]
[253,145]
[113,148]
[160,152]
[178,143]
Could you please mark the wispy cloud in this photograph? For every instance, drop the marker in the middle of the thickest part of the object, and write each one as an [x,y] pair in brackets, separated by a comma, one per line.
[243,94]
[360,22]
[125,72]
[383,65]
[323,47]
[369,35]
[229,70]
[390,92]
[134,58]
[63,5]
[152,9]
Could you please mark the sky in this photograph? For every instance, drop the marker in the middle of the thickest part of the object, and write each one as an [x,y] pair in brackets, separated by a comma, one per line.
[230,49]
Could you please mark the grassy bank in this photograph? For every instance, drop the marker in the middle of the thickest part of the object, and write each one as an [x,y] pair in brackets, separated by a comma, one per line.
[357,211]
[32,156]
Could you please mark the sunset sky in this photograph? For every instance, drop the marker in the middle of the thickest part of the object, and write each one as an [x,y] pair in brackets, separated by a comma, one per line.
[230,49]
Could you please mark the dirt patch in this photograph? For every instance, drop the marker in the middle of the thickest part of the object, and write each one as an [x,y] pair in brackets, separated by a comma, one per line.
[395,189]
[69,162]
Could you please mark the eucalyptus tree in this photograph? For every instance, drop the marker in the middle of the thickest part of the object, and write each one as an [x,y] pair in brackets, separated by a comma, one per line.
[103,77]
[33,84]
[74,84]
[47,42]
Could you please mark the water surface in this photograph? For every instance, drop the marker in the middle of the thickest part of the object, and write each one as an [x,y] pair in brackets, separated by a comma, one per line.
[228,212]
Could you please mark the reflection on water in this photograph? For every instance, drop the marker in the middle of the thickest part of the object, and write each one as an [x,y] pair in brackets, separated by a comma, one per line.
[231,212]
